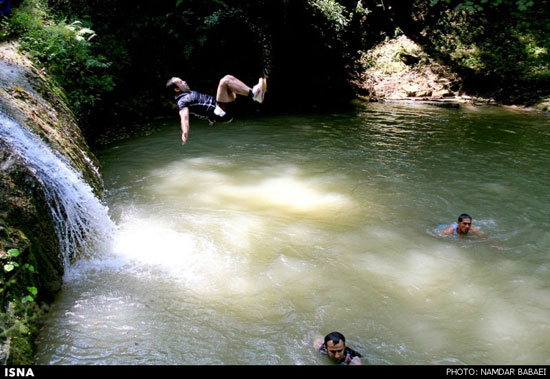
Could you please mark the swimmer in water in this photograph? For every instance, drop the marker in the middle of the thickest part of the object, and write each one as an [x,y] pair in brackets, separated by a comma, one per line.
[334,346]
[462,227]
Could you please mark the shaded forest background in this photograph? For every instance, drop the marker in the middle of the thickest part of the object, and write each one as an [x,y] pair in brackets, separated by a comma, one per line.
[113,58]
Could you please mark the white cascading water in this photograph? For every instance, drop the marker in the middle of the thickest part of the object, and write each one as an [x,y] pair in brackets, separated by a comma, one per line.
[82,223]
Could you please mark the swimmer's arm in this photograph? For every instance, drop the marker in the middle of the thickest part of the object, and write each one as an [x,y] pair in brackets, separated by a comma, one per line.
[447,231]
[477,232]
[184,118]
[356,361]
[317,343]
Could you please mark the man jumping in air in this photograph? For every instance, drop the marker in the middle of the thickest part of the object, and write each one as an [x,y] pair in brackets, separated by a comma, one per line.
[217,109]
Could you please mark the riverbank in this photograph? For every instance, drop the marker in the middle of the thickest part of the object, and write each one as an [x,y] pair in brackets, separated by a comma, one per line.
[399,71]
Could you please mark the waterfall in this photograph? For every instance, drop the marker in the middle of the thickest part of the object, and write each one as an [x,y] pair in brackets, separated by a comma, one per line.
[82,223]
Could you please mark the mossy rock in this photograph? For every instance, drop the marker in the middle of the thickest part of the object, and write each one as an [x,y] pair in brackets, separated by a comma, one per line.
[30,98]
[21,351]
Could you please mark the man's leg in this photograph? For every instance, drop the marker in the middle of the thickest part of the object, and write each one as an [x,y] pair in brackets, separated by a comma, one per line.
[229,87]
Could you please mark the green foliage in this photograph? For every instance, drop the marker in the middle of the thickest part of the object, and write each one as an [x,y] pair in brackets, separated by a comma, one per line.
[64,50]
[333,11]
[499,46]
[337,14]
[12,271]
[4,28]
[386,57]
[17,324]
[19,313]
[480,5]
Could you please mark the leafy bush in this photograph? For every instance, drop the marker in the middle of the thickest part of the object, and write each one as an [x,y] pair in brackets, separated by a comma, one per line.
[18,309]
[498,46]
[64,50]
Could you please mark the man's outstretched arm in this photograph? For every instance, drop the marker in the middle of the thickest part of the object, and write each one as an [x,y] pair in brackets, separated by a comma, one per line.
[184,117]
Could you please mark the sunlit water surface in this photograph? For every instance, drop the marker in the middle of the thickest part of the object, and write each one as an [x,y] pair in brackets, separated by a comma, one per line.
[256,237]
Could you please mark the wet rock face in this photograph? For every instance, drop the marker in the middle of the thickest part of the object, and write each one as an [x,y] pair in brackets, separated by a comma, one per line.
[31,99]
[26,224]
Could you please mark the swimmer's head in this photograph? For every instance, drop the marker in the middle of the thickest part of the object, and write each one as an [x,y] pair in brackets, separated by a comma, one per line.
[464,223]
[335,343]
[335,337]
[464,216]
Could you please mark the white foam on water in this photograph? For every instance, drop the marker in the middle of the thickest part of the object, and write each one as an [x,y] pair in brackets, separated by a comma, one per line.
[285,191]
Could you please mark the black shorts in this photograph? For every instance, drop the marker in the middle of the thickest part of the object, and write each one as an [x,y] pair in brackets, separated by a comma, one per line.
[228,108]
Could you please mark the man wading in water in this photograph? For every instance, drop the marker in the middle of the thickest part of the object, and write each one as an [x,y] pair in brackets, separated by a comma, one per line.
[217,109]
